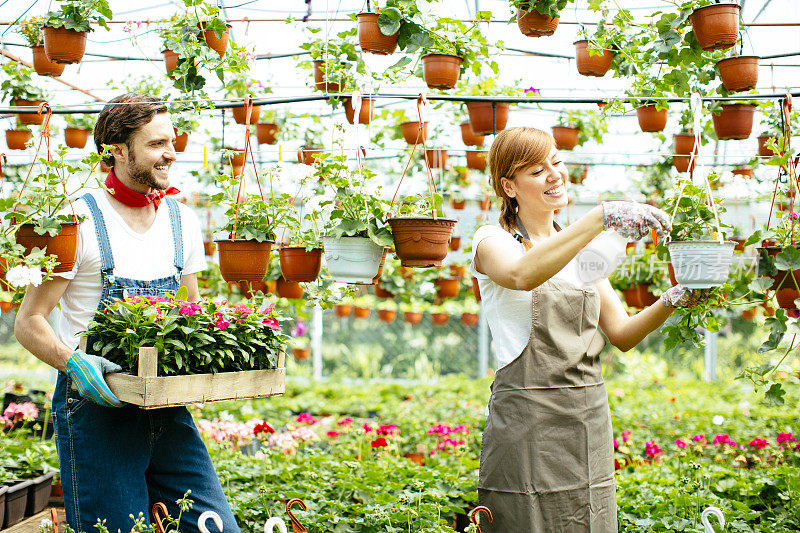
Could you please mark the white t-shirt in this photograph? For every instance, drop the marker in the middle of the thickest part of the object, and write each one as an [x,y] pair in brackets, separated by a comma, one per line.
[142,256]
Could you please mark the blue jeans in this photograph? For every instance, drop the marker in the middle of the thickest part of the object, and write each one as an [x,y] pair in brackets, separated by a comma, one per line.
[119,461]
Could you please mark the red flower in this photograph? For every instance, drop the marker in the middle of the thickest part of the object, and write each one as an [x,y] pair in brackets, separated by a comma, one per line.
[262,427]
[333,434]
[380,442]
[617,464]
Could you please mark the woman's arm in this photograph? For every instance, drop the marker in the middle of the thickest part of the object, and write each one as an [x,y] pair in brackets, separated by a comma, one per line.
[625,331]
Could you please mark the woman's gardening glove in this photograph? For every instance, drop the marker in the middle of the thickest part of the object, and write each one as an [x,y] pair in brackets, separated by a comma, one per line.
[87,372]
[678,296]
[633,221]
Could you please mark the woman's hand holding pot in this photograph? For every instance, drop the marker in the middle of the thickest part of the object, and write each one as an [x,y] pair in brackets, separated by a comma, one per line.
[634,221]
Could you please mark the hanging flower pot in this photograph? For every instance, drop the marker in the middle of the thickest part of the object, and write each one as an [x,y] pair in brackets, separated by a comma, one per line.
[476,289]
[320,81]
[240,114]
[684,143]
[209,247]
[413,134]
[352,259]
[701,264]
[218,44]
[476,159]
[469,319]
[458,271]
[592,65]
[458,205]
[534,24]
[306,155]
[441,71]
[436,158]
[42,65]
[486,203]
[739,73]
[455,243]
[243,260]
[371,38]
[62,45]
[639,296]
[299,264]
[301,354]
[716,27]
[651,119]
[681,162]
[439,319]
[342,310]
[763,150]
[744,172]
[170,59]
[735,121]
[250,289]
[288,289]
[566,137]
[266,133]
[469,137]
[63,245]
[29,118]
[749,314]
[412,317]
[484,119]
[447,288]
[421,242]
[76,138]
[364,115]
[361,312]
[380,292]
[16,139]
[387,315]
[181,140]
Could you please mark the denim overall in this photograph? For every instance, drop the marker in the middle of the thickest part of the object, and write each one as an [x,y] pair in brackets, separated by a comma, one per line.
[119,461]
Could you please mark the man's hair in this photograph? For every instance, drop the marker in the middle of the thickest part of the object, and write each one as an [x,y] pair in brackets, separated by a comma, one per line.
[122,117]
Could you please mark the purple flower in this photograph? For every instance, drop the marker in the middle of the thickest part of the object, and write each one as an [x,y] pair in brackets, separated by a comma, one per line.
[793,216]
[299,330]
[534,91]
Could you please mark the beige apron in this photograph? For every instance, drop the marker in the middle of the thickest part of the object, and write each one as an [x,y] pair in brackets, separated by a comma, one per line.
[547,458]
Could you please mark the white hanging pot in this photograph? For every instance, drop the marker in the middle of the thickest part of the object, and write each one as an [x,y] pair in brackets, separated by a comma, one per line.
[352,259]
[701,264]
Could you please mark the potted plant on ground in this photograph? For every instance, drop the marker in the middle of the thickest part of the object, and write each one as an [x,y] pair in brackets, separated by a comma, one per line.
[65,30]
[31,30]
[19,89]
[78,129]
[537,18]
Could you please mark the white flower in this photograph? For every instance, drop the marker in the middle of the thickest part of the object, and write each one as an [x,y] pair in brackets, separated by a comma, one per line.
[717,420]
[21,276]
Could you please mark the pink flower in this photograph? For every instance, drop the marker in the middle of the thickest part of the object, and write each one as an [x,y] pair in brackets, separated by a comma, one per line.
[439,429]
[616,444]
[450,444]
[306,418]
[723,439]
[652,449]
[626,435]
[679,443]
[299,329]
[367,428]
[21,411]
[244,310]
[534,91]
[388,429]
[700,439]
[332,434]
[460,428]
[345,422]
[222,324]
[190,309]
[304,433]
[759,443]
[785,437]
[284,441]
[793,216]
[271,323]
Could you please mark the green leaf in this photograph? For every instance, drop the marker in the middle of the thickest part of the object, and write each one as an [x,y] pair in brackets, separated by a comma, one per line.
[760,285]
[774,395]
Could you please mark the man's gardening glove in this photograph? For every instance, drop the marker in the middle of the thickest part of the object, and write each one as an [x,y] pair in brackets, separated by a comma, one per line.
[87,372]
[679,297]
[633,220]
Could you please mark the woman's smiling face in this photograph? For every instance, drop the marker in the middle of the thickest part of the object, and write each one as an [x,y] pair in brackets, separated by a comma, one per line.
[541,186]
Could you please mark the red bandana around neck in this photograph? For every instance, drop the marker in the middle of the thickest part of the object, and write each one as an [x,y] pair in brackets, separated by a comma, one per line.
[132,198]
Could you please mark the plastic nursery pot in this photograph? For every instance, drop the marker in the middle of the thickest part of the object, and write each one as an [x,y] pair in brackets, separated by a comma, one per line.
[170,59]
[243,260]
[370,37]
[782,279]
[387,315]
[301,354]
[735,121]
[436,158]
[306,155]
[739,73]
[716,27]
[65,46]
[412,317]
[447,288]
[455,243]
[361,312]
[681,162]
[249,289]
[380,292]
[684,143]
[458,271]
[76,138]
[209,247]
[288,289]
[299,264]
[266,133]
[39,493]
[439,319]
[421,242]
[701,264]
[566,137]
[413,134]
[342,310]
[591,65]
[364,114]
[639,296]
[240,114]
[469,319]
[486,120]
[181,140]
[476,159]
[63,245]
[29,118]
[458,205]
[42,65]
[16,502]
[763,150]
[651,119]
[352,259]
[218,44]
[441,71]
[17,139]
[469,137]
[534,24]
[320,80]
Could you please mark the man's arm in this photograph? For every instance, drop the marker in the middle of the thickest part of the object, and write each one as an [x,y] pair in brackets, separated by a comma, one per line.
[32,329]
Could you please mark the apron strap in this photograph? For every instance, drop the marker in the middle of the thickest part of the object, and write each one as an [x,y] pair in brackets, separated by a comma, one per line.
[177,235]
[101,232]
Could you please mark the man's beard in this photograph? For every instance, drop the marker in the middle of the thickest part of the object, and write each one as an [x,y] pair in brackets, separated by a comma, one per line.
[141,174]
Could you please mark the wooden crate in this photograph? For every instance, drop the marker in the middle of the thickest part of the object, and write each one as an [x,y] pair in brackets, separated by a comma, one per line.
[150,391]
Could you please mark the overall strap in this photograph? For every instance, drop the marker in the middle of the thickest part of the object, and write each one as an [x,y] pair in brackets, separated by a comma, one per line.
[177,234]
[102,234]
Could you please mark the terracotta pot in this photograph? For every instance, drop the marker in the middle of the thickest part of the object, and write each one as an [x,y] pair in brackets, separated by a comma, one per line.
[249,289]
[371,38]
[361,312]
[476,159]
[64,46]
[321,84]
[42,65]
[749,314]
[681,162]
[455,243]
[441,71]
[272,286]
[566,137]
[421,242]
[469,137]
[413,134]
[26,118]
[739,73]
[639,296]
[415,457]
[746,173]
[763,151]
[387,315]
[716,27]
[592,65]
[380,292]
[243,260]
[786,297]
[342,310]
[484,120]
[266,133]
[439,319]
[288,289]
[412,317]
[364,115]
[240,114]
[486,203]
[16,139]
[458,271]
[782,279]
[76,138]
[63,245]
[209,247]
[458,205]
[436,158]
[735,121]
[301,354]
[768,310]
[651,119]
[299,264]
[104,168]
[469,319]
[534,24]
[447,288]
[170,59]
[306,155]
[476,289]
[739,244]
[684,143]
[181,140]
[218,44]
[238,158]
